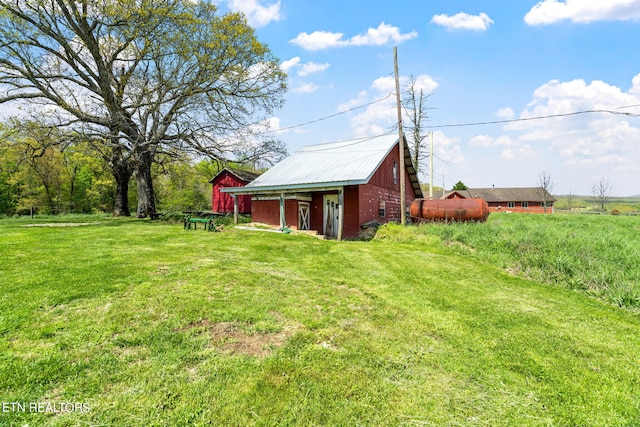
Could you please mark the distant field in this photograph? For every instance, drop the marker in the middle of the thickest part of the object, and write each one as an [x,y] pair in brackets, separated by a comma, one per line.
[624,205]
[123,322]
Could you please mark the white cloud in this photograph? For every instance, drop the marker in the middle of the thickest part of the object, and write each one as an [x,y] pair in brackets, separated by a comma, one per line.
[423,82]
[380,117]
[582,11]
[258,15]
[519,153]
[447,149]
[384,84]
[585,140]
[463,21]
[382,35]
[273,125]
[481,141]
[556,98]
[489,141]
[387,84]
[311,68]
[303,69]
[318,40]
[289,64]
[359,100]
[505,113]
[306,88]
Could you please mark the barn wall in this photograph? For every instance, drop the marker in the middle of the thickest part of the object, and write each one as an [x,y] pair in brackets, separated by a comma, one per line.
[383,177]
[268,212]
[351,228]
[382,186]
[291,213]
[369,200]
[223,202]
[315,212]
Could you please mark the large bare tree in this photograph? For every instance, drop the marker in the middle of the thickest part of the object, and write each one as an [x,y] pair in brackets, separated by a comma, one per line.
[415,104]
[136,77]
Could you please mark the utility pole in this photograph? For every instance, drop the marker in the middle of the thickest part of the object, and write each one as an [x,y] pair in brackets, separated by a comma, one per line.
[403,214]
[431,170]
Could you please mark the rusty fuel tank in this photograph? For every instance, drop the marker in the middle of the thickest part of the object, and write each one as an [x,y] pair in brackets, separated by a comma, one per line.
[449,210]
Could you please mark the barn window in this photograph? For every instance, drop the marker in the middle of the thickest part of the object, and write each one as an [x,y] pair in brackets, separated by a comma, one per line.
[511,205]
[395,173]
[524,204]
[382,208]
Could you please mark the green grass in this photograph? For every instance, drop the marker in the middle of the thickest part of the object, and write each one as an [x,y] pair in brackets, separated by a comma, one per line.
[150,325]
[598,255]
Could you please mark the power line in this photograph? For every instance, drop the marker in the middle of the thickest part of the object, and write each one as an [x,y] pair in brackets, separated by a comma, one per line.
[551,116]
[328,117]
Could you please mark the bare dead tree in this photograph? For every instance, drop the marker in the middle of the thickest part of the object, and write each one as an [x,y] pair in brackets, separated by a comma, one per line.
[601,191]
[544,189]
[415,104]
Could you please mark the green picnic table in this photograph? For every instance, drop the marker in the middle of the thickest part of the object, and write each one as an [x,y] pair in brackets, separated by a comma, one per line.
[207,223]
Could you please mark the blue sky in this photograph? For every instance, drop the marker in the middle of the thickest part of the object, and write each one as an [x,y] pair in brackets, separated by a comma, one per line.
[482,61]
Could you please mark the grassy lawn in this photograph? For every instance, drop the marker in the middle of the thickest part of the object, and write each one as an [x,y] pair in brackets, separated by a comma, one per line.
[147,324]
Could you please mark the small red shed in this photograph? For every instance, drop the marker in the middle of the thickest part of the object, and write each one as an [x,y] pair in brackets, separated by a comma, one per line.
[230,177]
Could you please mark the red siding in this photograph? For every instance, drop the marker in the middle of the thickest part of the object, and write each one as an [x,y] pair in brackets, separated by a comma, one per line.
[268,212]
[222,202]
[351,228]
[316,212]
[265,211]
[383,187]
[534,207]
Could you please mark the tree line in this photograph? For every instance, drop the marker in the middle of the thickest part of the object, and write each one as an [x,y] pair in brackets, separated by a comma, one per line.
[51,178]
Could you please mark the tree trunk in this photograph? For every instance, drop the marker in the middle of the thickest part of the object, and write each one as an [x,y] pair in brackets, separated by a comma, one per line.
[146,196]
[122,174]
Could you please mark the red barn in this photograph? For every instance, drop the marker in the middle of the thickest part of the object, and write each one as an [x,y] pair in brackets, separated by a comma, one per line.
[334,188]
[230,177]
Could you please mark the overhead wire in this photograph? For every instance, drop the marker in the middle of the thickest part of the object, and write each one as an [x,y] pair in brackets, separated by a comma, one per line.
[452,125]
[523,119]
[330,116]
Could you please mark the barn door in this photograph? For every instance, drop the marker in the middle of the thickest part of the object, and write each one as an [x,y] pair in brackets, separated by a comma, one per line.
[303,216]
[331,215]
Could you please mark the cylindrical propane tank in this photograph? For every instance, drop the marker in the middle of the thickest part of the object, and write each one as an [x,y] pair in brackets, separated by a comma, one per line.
[450,210]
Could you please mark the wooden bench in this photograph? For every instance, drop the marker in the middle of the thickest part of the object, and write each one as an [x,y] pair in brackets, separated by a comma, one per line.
[207,224]
[154,215]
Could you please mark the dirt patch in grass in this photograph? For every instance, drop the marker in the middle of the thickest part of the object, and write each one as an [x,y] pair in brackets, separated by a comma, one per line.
[238,338]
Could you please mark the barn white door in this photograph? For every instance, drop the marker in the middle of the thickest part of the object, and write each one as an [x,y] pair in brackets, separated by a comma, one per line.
[331,215]
[303,216]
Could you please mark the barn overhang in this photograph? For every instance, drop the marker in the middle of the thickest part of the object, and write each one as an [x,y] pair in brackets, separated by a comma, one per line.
[299,192]
[292,188]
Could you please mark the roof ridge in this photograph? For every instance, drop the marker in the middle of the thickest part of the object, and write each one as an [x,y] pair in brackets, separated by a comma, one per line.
[354,141]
